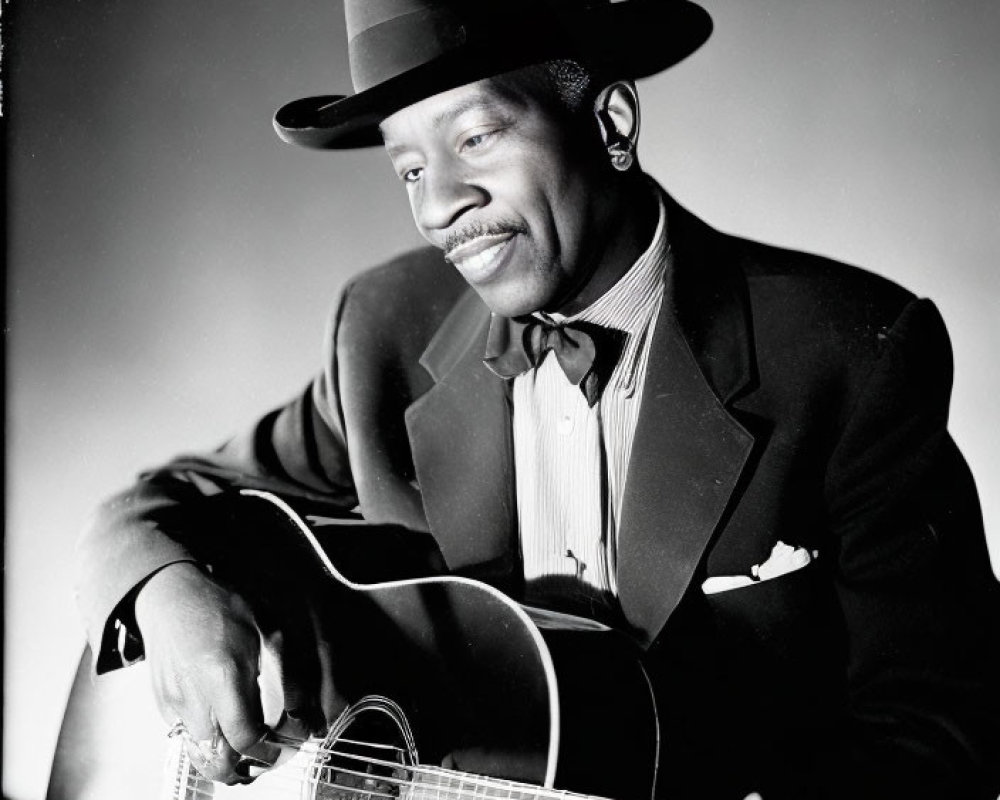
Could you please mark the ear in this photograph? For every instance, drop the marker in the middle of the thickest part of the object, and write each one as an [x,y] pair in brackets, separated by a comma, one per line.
[617,112]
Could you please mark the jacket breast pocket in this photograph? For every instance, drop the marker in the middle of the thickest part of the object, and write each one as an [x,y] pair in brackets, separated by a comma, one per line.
[782,640]
[775,611]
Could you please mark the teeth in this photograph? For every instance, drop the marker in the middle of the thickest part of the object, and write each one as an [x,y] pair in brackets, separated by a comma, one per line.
[481,260]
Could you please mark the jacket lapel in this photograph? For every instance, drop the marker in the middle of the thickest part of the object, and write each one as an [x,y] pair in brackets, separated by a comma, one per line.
[689,451]
[460,437]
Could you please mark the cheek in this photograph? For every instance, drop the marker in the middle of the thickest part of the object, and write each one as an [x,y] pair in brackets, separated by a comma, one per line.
[412,197]
[536,200]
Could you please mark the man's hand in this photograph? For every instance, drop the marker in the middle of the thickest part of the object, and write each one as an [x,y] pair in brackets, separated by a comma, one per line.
[203,648]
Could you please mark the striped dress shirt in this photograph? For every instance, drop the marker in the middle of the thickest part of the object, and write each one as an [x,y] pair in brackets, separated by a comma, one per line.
[571,459]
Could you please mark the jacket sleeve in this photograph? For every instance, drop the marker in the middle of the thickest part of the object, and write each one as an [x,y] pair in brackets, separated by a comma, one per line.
[921,604]
[298,451]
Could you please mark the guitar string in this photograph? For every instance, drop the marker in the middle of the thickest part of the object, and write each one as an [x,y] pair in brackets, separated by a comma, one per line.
[317,752]
[276,782]
[285,775]
[438,773]
[195,783]
[417,790]
[359,743]
[487,783]
[435,772]
[492,787]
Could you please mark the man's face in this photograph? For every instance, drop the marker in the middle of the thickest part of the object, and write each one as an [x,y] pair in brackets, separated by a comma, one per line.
[509,187]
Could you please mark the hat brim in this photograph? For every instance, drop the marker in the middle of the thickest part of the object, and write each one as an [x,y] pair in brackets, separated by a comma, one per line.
[632,40]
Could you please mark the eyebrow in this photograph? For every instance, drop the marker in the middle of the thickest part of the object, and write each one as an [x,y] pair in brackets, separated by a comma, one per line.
[476,101]
[473,103]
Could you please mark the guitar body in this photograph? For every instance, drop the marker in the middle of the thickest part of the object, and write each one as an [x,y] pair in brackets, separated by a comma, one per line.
[438,671]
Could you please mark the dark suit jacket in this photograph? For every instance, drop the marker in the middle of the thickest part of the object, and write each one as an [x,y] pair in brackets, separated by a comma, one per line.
[788,398]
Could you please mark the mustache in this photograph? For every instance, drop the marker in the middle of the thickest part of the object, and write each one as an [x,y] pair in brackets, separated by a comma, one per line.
[474,230]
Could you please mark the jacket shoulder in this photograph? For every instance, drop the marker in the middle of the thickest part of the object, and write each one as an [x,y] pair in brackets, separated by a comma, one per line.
[389,314]
[420,278]
[407,296]
[820,304]
[822,328]
[827,290]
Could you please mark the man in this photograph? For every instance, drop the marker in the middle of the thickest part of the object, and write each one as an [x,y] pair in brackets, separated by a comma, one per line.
[735,454]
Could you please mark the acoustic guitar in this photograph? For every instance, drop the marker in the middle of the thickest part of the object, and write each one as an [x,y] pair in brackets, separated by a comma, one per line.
[454,691]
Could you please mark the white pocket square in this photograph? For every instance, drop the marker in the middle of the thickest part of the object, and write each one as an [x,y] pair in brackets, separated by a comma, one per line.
[783,559]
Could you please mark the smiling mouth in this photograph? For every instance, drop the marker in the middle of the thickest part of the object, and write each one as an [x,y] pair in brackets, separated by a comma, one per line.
[478,259]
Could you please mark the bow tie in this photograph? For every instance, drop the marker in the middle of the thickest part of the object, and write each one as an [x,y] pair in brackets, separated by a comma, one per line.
[586,352]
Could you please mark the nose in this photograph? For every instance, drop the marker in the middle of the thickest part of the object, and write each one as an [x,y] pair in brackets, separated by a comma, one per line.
[445,193]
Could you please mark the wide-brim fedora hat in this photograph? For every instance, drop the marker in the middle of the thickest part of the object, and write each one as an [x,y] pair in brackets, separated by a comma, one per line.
[402,51]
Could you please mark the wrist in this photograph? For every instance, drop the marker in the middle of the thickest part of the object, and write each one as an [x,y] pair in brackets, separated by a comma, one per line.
[166,587]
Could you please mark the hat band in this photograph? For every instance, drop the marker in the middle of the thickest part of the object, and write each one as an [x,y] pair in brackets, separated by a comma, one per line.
[403,43]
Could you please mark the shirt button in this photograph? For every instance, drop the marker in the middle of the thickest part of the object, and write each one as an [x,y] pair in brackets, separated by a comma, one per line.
[565,425]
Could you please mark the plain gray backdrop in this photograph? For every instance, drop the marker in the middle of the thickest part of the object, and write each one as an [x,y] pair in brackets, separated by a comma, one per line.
[172,262]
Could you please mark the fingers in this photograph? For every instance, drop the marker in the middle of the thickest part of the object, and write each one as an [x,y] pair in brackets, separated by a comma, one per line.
[294,649]
[210,753]
[223,729]
[203,648]
[310,693]
[331,701]
[220,713]
[241,721]
[203,644]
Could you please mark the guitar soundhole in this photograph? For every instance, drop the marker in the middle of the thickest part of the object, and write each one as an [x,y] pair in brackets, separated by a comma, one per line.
[368,754]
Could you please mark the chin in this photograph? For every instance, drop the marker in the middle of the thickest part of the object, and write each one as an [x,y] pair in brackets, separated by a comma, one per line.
[510,304]
[523,284]
[520,288]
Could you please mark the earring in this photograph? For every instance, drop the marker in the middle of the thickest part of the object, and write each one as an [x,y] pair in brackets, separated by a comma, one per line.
[621,154]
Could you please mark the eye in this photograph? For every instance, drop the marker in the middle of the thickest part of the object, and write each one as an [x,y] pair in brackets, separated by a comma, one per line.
[478,140]
[412,175]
